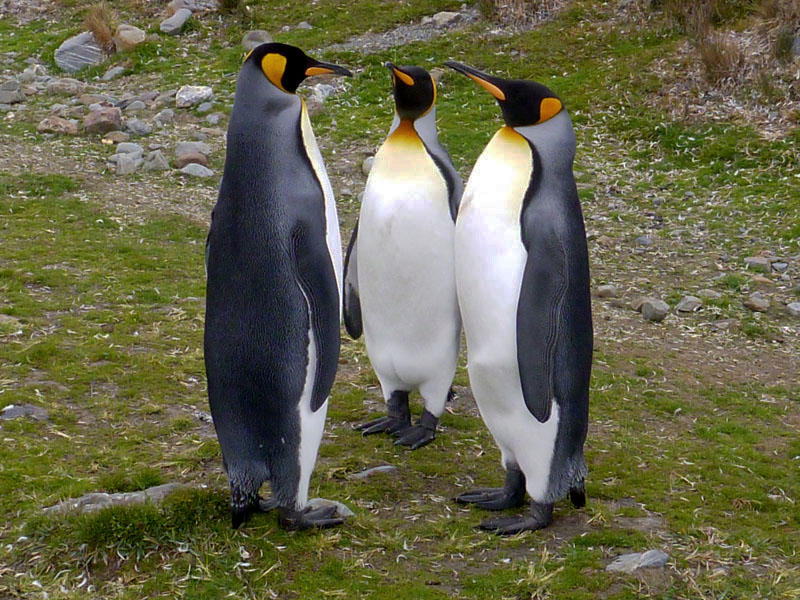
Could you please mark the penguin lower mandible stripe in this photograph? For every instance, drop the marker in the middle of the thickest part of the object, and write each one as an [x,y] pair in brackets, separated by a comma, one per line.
[522,272]
[399,274]
[274,265]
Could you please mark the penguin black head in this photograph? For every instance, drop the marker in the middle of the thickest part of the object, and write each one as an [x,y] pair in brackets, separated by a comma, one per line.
[287,66]
[522,102]
[414,91]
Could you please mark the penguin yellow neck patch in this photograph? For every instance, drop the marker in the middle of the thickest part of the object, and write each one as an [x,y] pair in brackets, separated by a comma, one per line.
[405,133]
[549,108]
[274,66]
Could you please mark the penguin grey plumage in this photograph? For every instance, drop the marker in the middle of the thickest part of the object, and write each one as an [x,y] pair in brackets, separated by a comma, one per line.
[522,272]
[399,272]
[273,259]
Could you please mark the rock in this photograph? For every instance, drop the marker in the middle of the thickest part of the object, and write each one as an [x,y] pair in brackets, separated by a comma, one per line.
[255,38]
[65,86]
[780,267]
[99,500]
[444,18]
[214,118]
[796,46]
[113,73]
[654,310]
[11,92]
[636,303]
[756,302]
[194,5]
[129,148]
[689,304]
[165,116]
[156,161]
[628,563]
[165,98]
[103,120]
[78,52]
[367,473]
[175,23]
[190,158]
[758,263]
[149,96]
[607,291]
[115,137]
[138,127]
[644,241]
[53,124]
[437,73]
[322,90]
[189,95]
[205,107]
[90,99]
[135,106]
[341,509]
[128,37]
[366,166]
[192,148]
[304,25]
[37,413]
[725,325]
[127,164]
[32,73]
[195,170]
[793,309]
[710,294]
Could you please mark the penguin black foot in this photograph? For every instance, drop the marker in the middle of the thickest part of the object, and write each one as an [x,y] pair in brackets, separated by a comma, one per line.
[399,416]
[511,495]
[419,435]
[267,504]
[577,495]
[298,520]
[541,515]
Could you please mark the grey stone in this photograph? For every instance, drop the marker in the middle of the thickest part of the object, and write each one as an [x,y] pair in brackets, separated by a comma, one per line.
[37,413]
[115,137]
[214,118]
[127,164]
[628,563]
[149,96]
[756,302]
[128,37]
[710,294]
[195,170]
[192,157]
[189,95]
[444,18]
[689,304]
[65,86]
[32,73]
[175,23]
[192,148]
[725,324]
[758,263]
[138,127]
[165,116]
[780,267]
[205,107]
[366,166]
[341,509]
[255,38]
[793,309]
[99,500]
[135,106]
[156,161]
[78,52]
[367,473]
[607,291]
[654,310]
[796,46]
[165,98]
[304,25]
[644,241]
[322,90]
[129,148]
[11,92]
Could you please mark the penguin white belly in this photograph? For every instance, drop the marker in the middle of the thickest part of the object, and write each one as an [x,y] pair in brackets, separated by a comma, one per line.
[332,237]
[406,270]
[490,260]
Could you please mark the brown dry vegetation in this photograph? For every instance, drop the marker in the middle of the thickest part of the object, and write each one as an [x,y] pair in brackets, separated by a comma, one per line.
[101,20]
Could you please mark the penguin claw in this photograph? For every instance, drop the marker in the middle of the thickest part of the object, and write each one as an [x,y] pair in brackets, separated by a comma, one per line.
[414,436]
[383,425]
[541,515]
[492,498]
[320,518]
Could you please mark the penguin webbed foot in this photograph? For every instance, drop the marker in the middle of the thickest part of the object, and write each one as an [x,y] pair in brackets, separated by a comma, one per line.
[383,425]
[541,515]
[577,495]
[267,504]
[419,435]
[309,518]
[511,495]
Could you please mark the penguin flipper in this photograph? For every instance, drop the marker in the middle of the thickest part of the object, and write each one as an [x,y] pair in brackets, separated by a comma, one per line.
[352,303]
[317,280]
[540,327]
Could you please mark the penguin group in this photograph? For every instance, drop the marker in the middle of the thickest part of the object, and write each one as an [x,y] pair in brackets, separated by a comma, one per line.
[504,257]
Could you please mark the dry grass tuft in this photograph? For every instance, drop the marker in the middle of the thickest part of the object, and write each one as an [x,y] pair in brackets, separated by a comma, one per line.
[518,12]
[101,20]
[721,58]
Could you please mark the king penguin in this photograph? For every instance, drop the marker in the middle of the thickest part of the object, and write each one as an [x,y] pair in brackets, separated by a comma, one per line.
[400,287]
[274,267]
[522,272]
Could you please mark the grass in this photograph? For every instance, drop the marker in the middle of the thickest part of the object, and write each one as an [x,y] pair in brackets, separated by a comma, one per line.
[107,328]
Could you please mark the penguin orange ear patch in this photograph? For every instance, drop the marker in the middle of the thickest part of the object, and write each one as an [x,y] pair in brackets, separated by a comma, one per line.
[274,66]
[549,108]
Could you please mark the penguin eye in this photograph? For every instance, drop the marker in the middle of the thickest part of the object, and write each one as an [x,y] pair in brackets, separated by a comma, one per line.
[548,108]
[274,66]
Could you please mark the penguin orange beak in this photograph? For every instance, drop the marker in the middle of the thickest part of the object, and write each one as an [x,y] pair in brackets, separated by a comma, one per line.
[399,73]
[486,81]
[320,68]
